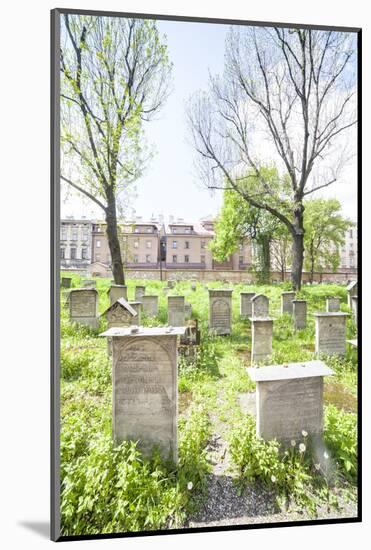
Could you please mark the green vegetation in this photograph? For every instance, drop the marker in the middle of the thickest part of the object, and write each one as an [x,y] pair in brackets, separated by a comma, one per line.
[114,489]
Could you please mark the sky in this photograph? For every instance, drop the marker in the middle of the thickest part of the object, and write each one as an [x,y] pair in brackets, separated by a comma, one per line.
[171,185]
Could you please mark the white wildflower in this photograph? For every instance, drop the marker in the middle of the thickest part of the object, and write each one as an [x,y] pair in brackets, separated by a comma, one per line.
[302,448]
[273,479]
[325,455]
[293,442]
[317,466]
[189,486]
[304,433]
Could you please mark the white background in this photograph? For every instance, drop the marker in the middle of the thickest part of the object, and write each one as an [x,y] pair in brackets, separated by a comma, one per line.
[24,290]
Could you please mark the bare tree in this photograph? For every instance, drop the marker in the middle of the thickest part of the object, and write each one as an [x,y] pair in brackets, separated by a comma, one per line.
[115,75]
[285,98]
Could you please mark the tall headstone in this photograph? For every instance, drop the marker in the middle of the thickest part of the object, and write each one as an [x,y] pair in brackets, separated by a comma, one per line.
[120,314]
[139,293]
[175,311]
[66,282]
[137,306]
[260,306]
[286,302]
[246,304]
[289,399]
[299,312]
[354,304]
[150,305]
[220,311]
[352,289]
[145,392]
[187,310]
[332,304]
[261,338]
[115,292]
[83,304]
[330,332]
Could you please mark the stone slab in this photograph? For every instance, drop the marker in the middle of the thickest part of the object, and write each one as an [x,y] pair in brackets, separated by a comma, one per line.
[286,302]
[260,306]
[176,311]
[150,305]
[305,369]
[115,292]
[83,304]
[139,293]
[330,332]
[245,303]
[261,339]
[220,311]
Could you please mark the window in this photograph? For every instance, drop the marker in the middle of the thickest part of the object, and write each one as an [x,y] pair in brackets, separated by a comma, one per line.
[203,244]
[136,230]
[84,253]
[148,258]
[351,233]
[85,234]
[241,260]
[73,253]
[63,233]
[136,243]
[62,253]
[135,258]
[149,244]
[186,259]
[186,244]
[175,259]
[187,230]
[175,244]
[149,229]
[203,260]
[98,244]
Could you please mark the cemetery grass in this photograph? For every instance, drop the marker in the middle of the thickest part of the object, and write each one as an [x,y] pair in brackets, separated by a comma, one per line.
[107,489]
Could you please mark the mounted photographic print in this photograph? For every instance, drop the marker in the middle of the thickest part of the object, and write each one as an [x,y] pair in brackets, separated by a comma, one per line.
[205,283]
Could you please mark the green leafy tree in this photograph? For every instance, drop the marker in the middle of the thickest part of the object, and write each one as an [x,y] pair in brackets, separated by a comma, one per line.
[325,230]
[115,76]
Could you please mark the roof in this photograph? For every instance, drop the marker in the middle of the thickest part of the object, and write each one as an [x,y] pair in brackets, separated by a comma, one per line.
[197,229]
[123,303]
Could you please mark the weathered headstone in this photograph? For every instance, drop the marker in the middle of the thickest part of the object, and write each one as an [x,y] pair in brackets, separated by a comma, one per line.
[175,311]
[260,306]
[139,293]
[83,304]
[299,312]
[354,303]
[246,304]
[332,304]
[89,283]
[137,306]
[170,283]
[289,399]
[352,289]
[220,311]
[261,338]
[66,282]
[117,291]
[145,391]
[120,314]
[286,302]
[187,310]
[330,332]
[150,305]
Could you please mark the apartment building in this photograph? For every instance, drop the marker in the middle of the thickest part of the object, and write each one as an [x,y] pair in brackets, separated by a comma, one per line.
[187,245]
[75,243]
[348,252]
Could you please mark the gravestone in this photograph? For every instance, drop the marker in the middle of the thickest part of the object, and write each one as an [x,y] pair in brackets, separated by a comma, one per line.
[89,283]
[246,304]
[83,304]
[260,306]
[352,289]
[192,335]
[150,305]
[137,306]
[354,303]
[286,302]
[299,312]
[261,338]
[175,311]
[332,304]
[220,311]
[193,286]
[170,283]
[289,399]
[330,332]
[66,282]
[115,292]
[120,314]
[139,293]
[187,310]
[145,392]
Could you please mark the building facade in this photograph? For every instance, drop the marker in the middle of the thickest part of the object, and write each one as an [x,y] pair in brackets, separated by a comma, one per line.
[75,243]
[348,252]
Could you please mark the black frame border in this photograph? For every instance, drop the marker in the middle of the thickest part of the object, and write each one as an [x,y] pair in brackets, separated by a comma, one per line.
[55,269]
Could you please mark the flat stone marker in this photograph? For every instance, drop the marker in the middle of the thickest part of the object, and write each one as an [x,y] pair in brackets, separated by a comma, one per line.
[330,332]
[286,302]
[332,304]
[352,289]
[289,399]
[83,304]
[120,314]
[220,311]
[89,283]
[187,310]
[115,292]
[299,312]
[175,311]
[260,306]
[354,303]
[150,305]
[66,282]
[137,306]
[145,392]
[139,293]
[245,304]
[261,338]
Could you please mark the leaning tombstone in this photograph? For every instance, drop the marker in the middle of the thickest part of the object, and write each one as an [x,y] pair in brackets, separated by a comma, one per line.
[289,400]
[332,304]
[260,306]
[137,306]
[286,302]
[187,310]
[220,311]
[352,289]
[299,312]
[145,393]
[245,304]
[89,283]
[330,332]
[261,338]
[66,282]
[117,291]
[139,293]
[83,304]
[150,305]
[175,311]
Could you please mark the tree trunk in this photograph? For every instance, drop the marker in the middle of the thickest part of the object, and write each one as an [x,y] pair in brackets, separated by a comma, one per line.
[297,246]
[312,271]
[265,259]
[114,243]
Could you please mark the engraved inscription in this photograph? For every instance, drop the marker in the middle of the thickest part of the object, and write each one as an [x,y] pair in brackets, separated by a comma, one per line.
[83,304]
[220,314]
[260,306]
[331,335]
